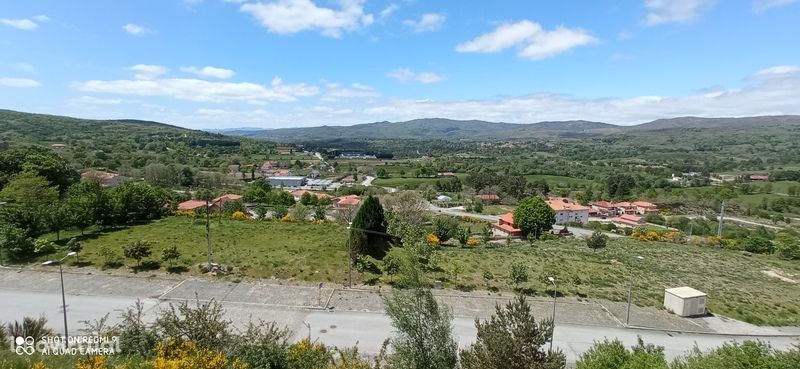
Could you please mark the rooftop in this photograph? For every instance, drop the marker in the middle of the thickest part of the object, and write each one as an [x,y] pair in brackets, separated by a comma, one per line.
[685,292]
[564,204]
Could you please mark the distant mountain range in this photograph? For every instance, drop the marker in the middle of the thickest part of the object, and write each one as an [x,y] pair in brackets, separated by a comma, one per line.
[439,128]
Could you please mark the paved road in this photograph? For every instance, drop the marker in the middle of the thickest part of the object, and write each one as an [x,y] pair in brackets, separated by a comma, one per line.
[347,328]
[367,181]
[90,297]
[579,232]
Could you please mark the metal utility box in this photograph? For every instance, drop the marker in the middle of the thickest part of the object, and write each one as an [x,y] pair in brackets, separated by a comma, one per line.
[685,301]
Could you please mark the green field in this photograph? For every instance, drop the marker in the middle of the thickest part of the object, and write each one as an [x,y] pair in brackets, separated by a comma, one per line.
[261,249]
[558,181]
[409,182]
[736,283]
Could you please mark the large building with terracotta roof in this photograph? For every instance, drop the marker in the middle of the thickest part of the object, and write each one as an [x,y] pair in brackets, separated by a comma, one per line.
[569,212]
[628,220]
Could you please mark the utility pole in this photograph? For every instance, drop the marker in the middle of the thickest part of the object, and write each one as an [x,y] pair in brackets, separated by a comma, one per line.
[721,219]
[208,233]
[349,255]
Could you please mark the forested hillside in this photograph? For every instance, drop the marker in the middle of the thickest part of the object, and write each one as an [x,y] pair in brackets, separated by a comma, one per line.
[124,143]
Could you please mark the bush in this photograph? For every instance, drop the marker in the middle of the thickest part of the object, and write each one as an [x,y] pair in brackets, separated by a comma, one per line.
[43,246]
[757,245]
[445,228]
[519,274]
[512,339]
[597,240]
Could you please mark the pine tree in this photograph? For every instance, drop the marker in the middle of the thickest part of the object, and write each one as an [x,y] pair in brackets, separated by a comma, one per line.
[368,230]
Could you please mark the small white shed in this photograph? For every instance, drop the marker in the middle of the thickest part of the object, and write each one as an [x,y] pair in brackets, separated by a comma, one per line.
[685,301]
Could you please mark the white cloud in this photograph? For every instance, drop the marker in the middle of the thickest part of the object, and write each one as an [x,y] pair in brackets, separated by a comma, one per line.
[773,91]
[336,92]
[387,11]
[91,100]
[136,30]
[764,5]
[41,18]
[149,82]
[209,71]
[24,67]
[19,82]
[674,11]
[291,16]
[23,24]
[148,71]
[406,75]
[532,40]
[426,23]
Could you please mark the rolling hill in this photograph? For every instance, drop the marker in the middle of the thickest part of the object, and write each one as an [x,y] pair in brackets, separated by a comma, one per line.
[437,128]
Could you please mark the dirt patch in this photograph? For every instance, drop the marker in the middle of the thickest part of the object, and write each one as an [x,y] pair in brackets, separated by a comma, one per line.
[786,277]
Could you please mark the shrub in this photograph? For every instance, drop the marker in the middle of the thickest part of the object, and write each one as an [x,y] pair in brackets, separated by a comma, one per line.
[512,339]
[30,327]
[445,228]
[137,251]
[43,246]
[432,239]
[307,355]
[519,274]
[597,240]
[757,245]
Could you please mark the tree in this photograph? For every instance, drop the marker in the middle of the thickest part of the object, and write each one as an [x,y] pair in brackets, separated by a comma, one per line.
[597,240]
[88,204]
[170,255]
[300,212]
[519,274]
[620,185]
[512,339]
[15,244]
[320,212]
[368,230]
[137,250]
[533,215]
[382,173]
[787,247]
[29,194]
[308,199]
[514,185]
[187,177]
[614,355]
[424,338]
[137,202]
[445,227]
[75,246]
[482,179]
[541,187]
[462,234]
[757,245]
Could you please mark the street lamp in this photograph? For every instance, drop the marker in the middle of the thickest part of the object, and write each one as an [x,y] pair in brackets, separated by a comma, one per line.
[630,291]
[555,295]
[60,262]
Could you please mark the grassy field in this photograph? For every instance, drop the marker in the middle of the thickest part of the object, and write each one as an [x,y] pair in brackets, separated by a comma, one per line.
[409,182]
[497,209]
[558,181]
[263,249]
[736,283]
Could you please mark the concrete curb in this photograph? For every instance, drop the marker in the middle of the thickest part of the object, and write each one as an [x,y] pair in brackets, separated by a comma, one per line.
[651,329]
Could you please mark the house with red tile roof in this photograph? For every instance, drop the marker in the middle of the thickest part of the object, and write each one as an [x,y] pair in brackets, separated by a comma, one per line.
[604,207]
[759,177]
[226,198]
[644,207]
[191,205]
[568,211]
[489,198]
[505,225]
[628,220]
[349,201]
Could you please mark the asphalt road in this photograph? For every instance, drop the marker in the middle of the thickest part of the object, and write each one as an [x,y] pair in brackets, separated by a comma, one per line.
[578,232]
[367,330]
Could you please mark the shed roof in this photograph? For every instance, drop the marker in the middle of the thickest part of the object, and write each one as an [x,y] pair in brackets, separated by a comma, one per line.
[685,292]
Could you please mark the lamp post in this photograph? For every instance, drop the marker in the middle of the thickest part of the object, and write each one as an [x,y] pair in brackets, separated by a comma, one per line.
[555,295]
[630,292]
[60,262]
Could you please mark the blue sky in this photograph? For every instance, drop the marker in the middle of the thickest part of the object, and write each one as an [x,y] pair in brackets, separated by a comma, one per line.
[284,63]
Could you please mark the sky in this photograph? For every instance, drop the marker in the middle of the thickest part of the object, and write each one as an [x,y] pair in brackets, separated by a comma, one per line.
[213,64]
